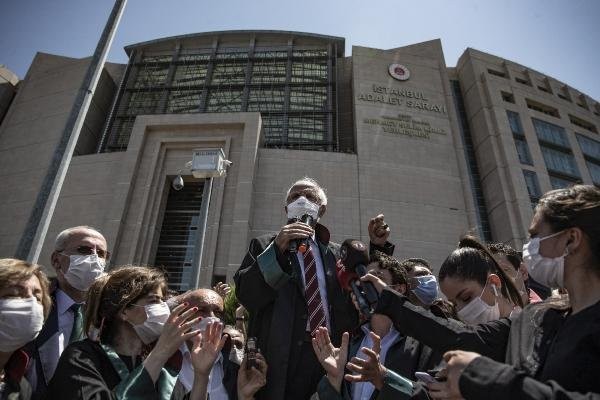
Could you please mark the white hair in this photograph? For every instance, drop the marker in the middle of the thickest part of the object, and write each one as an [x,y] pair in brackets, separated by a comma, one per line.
[64,236]
[306,181]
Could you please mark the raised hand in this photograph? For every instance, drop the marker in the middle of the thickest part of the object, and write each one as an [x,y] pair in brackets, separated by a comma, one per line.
[296,230]
[370,369]
[249,381]
[176,330]
[223,289]
[206,348]
[332,359]
[379,231]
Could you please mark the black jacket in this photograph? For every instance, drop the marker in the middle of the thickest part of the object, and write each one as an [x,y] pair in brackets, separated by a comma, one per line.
[269,286]
[550,353]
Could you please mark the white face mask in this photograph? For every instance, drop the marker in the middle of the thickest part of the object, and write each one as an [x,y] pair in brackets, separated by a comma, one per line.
[83,270]
[203,323]
[478,311]
[236,355]
[547,271]
[302,206]
[21,320]
[156,316]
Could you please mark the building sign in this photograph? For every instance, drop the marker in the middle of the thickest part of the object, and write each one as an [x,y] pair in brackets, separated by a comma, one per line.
[399,72]
[401,98]
[403,124]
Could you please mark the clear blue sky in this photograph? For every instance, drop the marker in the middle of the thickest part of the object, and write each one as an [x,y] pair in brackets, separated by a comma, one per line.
[558,38]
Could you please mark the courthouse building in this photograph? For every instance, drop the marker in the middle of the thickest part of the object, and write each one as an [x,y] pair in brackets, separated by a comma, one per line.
[441,151]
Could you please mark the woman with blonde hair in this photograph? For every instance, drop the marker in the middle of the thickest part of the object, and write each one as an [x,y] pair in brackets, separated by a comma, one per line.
[125,314]
[24,306]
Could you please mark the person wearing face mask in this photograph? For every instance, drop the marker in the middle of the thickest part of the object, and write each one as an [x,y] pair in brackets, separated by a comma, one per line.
[551,350]
[289,294]
[24,305]
[134,354]
[223,375]
[512,264]
[79,257]
[399,353]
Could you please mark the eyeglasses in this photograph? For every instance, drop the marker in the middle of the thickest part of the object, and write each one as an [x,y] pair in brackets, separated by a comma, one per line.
[87,250]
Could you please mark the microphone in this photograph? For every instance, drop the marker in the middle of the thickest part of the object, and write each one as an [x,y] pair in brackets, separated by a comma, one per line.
[301,245]
[354,256]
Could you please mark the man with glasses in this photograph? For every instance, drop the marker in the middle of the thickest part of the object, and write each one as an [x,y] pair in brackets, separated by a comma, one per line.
[79,257]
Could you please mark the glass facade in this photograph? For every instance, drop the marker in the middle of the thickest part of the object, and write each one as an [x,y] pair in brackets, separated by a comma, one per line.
[533,186]
[560,162]
[591,152]
[550,133]
[519,137]
[557,154]
[293,87]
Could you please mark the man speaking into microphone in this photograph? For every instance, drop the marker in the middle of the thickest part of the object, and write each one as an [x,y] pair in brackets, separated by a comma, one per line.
[288,284]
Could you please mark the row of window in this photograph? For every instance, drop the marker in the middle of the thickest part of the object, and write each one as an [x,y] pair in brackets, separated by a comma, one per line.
[558,157]
[544,86]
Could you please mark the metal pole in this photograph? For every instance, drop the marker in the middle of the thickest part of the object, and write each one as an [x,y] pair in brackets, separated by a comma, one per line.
[32,241]
[204,218]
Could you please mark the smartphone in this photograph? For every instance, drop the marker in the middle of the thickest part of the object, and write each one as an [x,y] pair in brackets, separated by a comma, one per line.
[425,377]
[251,350]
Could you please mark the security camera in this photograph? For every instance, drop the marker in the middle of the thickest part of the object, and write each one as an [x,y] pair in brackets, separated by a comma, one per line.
[177,183]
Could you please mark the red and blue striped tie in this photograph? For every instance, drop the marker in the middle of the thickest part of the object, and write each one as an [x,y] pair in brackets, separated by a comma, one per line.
[316,313]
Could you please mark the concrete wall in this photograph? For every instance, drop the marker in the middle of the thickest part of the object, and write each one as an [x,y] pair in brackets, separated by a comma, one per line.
[418,182]
[31,130]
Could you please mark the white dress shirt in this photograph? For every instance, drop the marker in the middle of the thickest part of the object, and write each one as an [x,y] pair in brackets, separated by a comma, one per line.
[320,279]
[364,390]
[216,389]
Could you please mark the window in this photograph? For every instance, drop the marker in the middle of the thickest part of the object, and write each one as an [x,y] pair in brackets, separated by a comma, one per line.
[183,101]
[591,152]
[536,106]
[309,72]
[508,97]
[560,162]
[514,122]
[229,73]
[523,151]
[224,100]
[190,75]
[589,147]
[560,183]
[496,73]
[308,98]
[588,126]
[522,81]
[266,100]
[544,89]
[550,133]
[533,186]
[269,71]
[519,138]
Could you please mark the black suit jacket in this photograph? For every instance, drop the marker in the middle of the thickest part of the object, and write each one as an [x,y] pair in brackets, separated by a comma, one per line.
[43,351]
[269,285]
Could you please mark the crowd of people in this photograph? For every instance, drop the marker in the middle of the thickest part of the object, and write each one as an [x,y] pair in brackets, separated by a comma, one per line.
[316,320]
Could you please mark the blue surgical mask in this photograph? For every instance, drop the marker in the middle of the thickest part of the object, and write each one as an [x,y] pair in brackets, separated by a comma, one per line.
[427,289]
